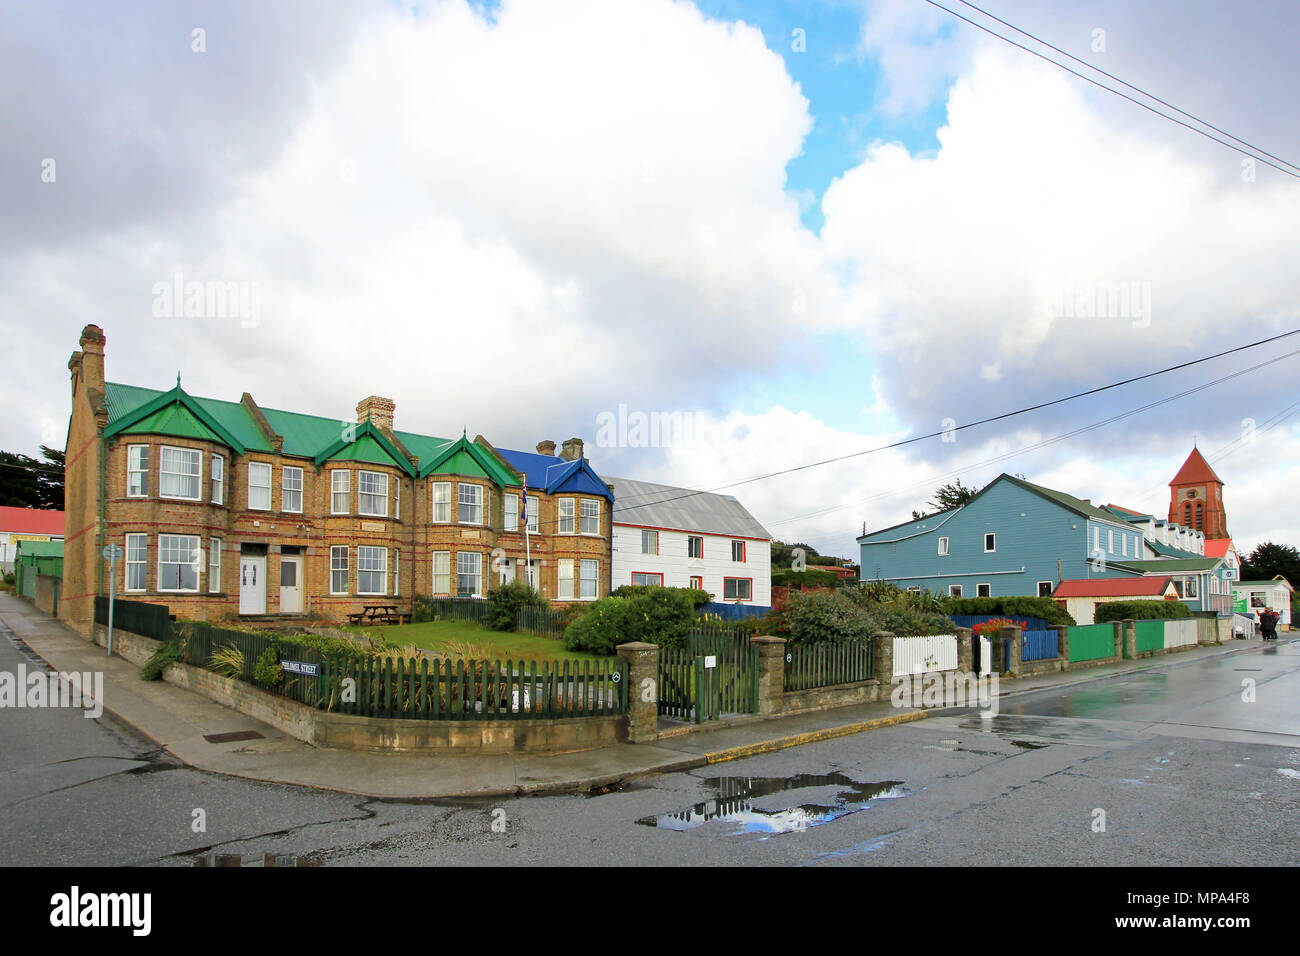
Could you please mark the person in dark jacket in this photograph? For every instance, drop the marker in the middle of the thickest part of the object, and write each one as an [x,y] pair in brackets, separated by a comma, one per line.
[1268,619]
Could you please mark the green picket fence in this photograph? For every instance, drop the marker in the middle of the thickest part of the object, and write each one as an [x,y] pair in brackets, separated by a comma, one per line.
[201,640]
[138,617]
[1091,642]
[690,689]
[1150,636]
[455,609]
[822,665]
[549,622]
[474,690]
[676,682]
[709,639]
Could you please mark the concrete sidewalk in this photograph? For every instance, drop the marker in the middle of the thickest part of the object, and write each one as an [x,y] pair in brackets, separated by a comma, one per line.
[180,722]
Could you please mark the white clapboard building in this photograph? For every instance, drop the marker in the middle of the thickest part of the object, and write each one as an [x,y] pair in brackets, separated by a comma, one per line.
[682,538]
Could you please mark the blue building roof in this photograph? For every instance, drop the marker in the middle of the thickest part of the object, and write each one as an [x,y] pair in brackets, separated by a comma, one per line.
[553,474]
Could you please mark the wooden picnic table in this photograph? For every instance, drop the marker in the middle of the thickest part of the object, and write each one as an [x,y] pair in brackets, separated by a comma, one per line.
[378,614]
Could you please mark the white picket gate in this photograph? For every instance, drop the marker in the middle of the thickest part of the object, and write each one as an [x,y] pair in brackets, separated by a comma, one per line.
[1180,633]
[921,655]
[986,655]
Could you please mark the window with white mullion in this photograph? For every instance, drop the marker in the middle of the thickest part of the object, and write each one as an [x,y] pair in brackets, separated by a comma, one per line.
[442,572]
[339,569]
[217,476]
[340,492]
[179,560]
[565,516]
[469,504]
[441,498]
[372,493]
[291,489]
[179,470]
[372,570]
[137,471]
[259,486]
[137,546]
[591,516]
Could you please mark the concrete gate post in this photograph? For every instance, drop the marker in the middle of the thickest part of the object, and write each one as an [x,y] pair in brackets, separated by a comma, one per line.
[1119,639]
[965,651]
[1131,640]
[642,690]
[1062,644]
[882,657]
[771,672]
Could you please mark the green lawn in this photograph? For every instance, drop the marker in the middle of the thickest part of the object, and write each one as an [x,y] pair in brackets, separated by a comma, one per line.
[486,643]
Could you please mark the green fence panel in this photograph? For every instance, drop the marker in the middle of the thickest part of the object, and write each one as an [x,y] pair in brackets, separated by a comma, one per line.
[823,665]
[1150,636]
[1091,642]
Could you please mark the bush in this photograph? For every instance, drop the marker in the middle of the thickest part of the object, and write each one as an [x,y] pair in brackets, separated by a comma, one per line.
[168,652]
[812,578]
[696,595]
[817,617]
[267,671]
[655,615]
[1043,607]
[1141,611]
[506,600]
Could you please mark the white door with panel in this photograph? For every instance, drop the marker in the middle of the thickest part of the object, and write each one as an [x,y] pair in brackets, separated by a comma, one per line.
[290,584]
[252,584]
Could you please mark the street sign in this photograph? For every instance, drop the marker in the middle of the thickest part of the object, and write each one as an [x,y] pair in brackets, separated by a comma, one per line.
[299,667]
[113,552]
[710,662]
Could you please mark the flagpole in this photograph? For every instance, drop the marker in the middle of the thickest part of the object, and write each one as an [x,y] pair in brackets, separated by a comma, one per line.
[528,541]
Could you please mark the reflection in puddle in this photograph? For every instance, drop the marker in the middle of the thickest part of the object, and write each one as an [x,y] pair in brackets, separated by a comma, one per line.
[1028,745]
[739,801]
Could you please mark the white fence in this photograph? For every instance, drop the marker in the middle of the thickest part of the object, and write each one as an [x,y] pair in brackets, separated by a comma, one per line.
[1180,633]
[921,655]
[1243,626]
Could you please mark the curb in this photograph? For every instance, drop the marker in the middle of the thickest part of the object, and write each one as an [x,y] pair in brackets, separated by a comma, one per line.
[811,737]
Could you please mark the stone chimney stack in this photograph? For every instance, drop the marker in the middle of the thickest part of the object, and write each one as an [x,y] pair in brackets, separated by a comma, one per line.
[378,410]
[546,447]
[571,450]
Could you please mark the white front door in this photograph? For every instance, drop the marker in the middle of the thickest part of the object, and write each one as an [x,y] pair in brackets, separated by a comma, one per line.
[252,584]
[290,585]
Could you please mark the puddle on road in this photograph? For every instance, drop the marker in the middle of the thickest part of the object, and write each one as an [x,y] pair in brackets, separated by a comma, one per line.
[1028,745]
[742,802]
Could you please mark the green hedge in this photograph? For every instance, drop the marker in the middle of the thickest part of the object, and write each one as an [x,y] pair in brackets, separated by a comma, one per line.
[812,578]
[1043,607]
[655,615]
[1142,611]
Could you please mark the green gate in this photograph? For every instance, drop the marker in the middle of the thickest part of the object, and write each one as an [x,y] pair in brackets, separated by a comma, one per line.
[699,687]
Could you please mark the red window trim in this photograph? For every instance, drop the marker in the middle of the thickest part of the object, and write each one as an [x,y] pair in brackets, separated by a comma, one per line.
[744,552]
[724,589]
[699,556]
[648,574]
[696,531]
[697,577]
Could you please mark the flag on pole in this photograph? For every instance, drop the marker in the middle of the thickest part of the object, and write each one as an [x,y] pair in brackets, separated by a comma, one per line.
[523,505]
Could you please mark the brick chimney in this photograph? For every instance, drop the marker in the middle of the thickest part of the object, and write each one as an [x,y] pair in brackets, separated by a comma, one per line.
[92,358]
[571,450]
[378,410]
[546,447]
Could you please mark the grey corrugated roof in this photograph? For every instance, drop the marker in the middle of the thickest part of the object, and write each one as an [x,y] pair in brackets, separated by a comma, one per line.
[664,506]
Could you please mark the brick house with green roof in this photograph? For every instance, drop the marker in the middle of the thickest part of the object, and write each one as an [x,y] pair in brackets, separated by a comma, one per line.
[225,508]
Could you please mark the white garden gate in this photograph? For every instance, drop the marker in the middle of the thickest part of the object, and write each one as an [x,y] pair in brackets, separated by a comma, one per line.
[923,655]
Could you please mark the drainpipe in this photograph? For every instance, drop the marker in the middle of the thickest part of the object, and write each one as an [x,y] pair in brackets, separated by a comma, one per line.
[100,549]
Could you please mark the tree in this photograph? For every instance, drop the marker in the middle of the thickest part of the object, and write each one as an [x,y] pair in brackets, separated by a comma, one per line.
[28,483]
[1269,560]
[946,498]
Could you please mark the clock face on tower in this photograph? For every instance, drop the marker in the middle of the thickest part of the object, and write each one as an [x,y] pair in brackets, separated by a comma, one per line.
[1192,493]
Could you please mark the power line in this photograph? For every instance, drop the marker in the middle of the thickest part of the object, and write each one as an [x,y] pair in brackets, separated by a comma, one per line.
[1117,79]
[1120,93]
[983,421]
[1050,441]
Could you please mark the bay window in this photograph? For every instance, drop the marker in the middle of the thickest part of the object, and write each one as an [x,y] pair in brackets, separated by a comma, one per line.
[179,473]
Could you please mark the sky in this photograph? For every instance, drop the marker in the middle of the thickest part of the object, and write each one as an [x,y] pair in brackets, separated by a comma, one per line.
[796,231]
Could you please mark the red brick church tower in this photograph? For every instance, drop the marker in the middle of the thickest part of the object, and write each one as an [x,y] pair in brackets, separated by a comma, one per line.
[1196,498]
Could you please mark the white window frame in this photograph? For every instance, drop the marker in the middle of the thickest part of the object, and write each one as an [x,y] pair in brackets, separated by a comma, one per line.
[533,523]
[440,497]
[644,539]
[137,468]
[584,565]
[478,573]
[195,552]
[367,556]
[566,516]
[214,565]
[737,597]
[985,585]
[691,539]
[286,489]
[445,573]
[584,516]
[475,506]
[337,551]
[994,536]
[696,577]
[744,552]
[397,562]
[217,479]
[397,498]
[197,475]
[1110,540]
[1038,588]
[511,520]
[260,467]
[943,544]
[954,590]
[142,562]
[1123,545]
[381,496]
[345,491]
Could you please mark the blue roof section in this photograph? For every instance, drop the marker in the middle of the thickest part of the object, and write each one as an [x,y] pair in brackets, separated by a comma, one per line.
[552,474]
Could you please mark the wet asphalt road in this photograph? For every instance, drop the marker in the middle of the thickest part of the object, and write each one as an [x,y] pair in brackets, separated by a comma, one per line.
[1181,769]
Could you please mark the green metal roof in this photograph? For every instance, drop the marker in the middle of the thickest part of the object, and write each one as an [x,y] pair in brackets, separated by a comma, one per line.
[305,436]
[367,443]
[1171,552]
[464,457]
